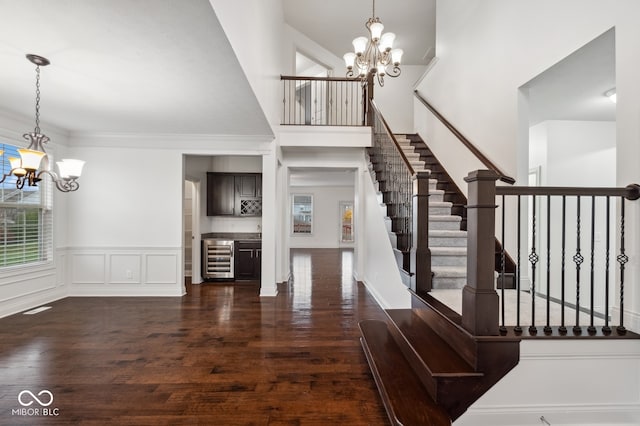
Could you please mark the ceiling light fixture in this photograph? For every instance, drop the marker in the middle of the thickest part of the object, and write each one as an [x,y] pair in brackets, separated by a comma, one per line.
[34,161]
[374,55]
[611,94]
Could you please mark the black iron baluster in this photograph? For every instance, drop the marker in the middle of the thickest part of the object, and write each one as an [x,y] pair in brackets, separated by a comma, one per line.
[332,96]
[342,112]
[547,327]
[591,329]
[518,329]
[314,112]
[578,259]
[284,102]
[503,328]
[606,329]
[563,329]
[533,259]
[622,259]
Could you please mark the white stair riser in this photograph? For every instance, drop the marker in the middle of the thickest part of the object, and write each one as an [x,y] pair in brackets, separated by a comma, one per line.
[439,211]
[448,282]
[443,225]
[447,241]
[435,196]
[394,239]
[460,261]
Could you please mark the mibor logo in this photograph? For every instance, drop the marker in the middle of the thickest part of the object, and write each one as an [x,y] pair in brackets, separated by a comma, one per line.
[25,401]
[35,404]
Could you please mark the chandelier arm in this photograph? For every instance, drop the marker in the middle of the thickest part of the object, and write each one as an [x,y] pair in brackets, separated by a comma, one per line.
[20,182]
[64,184]
[394,72]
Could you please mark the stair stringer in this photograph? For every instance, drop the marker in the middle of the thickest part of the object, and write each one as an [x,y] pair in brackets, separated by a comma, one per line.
[452,368]
[493,356]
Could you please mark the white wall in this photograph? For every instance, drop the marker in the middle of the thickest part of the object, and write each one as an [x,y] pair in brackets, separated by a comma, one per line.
[326,216]
[487,50]
[576,153]
[395,99]
[294,41]
[255,30]
[380,271]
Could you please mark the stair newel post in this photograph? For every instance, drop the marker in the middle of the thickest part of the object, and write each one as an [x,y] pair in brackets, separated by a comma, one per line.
[480,304]
[420,253]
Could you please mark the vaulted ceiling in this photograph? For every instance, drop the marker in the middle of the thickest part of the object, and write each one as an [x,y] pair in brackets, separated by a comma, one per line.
[155,66]
[123,66]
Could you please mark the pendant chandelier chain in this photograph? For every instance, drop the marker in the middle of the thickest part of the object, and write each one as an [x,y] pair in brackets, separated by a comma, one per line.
[37,129]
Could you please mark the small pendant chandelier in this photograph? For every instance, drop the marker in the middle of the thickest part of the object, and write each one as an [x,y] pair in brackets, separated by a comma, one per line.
[374,55]
[34,161]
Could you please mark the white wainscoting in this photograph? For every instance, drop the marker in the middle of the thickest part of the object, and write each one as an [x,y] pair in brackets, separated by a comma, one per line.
[569,382]
[136,271]
[23,288]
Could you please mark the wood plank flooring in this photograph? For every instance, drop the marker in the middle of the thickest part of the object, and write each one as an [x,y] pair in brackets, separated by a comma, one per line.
[219,356]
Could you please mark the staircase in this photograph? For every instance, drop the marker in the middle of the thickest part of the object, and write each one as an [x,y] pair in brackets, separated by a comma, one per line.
[447,242]
[428,368]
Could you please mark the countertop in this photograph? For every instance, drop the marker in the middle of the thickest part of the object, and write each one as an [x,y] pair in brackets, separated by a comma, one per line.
[235,236]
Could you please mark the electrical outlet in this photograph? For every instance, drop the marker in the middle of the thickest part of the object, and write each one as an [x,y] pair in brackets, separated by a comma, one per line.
[129,274]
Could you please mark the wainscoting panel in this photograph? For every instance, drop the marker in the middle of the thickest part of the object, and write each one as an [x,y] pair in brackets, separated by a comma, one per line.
[160,268]
[117,271]
[88,268]
[24,288]
[125,268]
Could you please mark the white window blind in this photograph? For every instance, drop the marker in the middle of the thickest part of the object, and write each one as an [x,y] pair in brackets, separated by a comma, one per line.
[26,224]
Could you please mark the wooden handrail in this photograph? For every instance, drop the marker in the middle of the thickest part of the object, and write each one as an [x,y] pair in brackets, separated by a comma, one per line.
[393,138]
[297,77]
[470,146]
[630,192]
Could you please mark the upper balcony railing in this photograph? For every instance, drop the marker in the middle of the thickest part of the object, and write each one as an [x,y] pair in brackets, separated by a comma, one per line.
[323,101]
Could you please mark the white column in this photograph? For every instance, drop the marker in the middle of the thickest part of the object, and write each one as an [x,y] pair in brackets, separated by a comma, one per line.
[269,219]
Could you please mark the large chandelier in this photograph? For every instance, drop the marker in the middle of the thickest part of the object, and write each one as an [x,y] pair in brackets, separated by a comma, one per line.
[34,161]
[374,55]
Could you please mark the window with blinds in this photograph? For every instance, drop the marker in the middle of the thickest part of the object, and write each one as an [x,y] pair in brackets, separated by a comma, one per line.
[26,224]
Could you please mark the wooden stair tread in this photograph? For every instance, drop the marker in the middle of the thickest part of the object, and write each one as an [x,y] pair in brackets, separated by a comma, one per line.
[406,400]
[440,359]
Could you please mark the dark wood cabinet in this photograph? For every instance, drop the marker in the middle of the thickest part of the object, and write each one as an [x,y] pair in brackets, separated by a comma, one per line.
[249,185]
[234,194]
[221,194]
[248,260]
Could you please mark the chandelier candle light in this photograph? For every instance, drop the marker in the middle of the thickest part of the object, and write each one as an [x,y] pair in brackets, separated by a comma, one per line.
[374,55]
[34,161]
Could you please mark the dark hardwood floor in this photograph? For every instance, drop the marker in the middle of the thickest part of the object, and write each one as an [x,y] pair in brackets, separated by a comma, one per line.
[219,356]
